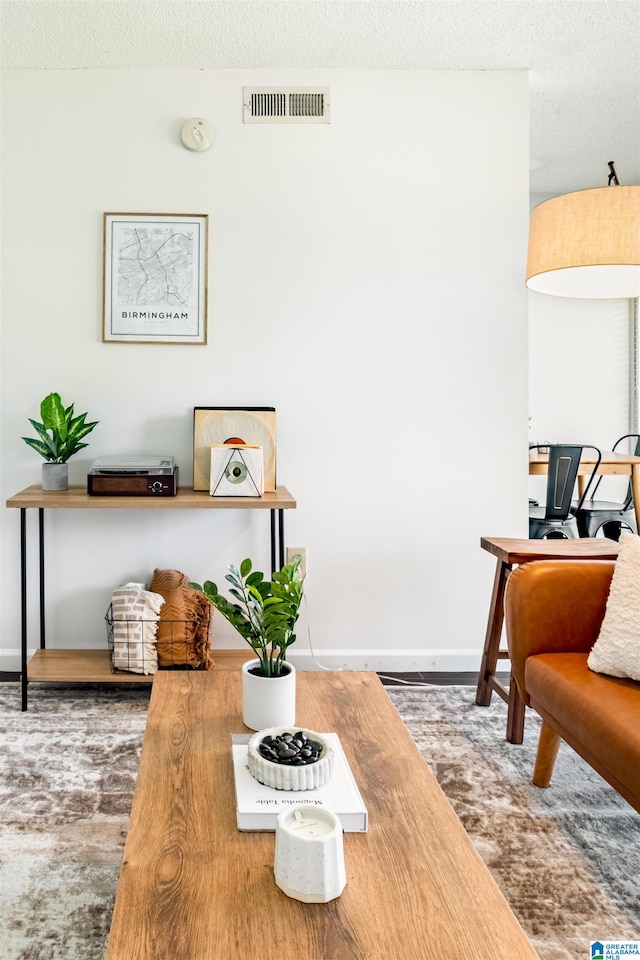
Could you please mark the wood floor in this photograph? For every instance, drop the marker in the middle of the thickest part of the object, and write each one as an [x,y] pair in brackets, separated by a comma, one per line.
[469,679]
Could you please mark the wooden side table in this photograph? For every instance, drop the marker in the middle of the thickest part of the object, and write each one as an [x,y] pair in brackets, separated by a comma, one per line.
[508,553]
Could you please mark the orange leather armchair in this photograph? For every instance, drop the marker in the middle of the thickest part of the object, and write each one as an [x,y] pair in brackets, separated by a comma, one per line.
[553,613]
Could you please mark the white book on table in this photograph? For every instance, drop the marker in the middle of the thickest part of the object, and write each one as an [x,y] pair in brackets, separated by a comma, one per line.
[258,806]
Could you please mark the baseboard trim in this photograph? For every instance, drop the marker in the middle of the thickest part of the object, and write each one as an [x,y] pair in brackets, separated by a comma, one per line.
[390,661]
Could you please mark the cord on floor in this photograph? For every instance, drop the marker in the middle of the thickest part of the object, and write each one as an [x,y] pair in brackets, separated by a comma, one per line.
[410,683]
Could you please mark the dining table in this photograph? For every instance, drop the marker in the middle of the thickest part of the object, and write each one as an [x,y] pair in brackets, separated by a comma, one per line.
[611,464]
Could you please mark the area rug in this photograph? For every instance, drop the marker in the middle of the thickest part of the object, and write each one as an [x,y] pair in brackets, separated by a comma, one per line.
[67,772]
[567,859]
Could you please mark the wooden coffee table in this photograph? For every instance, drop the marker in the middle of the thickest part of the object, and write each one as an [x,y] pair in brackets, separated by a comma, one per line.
[193,887]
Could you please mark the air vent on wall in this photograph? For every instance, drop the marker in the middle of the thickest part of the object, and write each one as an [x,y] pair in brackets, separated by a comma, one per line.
[286,104]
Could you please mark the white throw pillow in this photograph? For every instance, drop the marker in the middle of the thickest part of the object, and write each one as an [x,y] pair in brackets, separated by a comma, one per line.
[617,649]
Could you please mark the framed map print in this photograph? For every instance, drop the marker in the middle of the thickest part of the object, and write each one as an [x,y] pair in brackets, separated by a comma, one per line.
[155,278]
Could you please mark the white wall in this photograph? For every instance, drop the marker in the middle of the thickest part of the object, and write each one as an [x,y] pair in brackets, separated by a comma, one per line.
[365,278]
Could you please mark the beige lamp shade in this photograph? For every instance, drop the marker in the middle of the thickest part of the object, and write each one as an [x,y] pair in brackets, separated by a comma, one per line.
[586,244]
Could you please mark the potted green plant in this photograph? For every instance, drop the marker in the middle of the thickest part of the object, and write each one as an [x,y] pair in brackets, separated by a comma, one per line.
[264,612]
[59,435]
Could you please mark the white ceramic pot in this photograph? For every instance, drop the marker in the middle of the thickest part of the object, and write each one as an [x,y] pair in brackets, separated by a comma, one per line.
[268,701]
[280,776]
[55,476]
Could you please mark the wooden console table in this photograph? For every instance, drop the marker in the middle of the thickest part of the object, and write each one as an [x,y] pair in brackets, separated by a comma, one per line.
[93,666]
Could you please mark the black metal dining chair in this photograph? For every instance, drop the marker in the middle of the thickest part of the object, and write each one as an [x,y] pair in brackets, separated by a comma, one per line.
[605,518]
[555,521]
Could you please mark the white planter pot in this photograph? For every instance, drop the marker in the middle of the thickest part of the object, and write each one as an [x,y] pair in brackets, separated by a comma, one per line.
[55,476]
[268,701]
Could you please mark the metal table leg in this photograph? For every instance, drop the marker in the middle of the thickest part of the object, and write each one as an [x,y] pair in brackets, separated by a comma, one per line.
[24,678]
[277,540]
[281,536]
[41,548]
[23,605]
[272,517]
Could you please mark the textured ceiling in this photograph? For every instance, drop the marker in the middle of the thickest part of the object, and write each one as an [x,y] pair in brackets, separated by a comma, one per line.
[583,58]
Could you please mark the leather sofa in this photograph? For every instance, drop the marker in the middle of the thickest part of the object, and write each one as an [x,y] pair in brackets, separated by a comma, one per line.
[553,613]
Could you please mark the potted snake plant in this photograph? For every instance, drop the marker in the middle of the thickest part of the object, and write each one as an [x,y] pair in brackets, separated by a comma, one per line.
[59,437]
[264,612]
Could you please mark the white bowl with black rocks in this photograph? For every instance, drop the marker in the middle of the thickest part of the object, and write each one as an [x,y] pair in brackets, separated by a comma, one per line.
[290,758]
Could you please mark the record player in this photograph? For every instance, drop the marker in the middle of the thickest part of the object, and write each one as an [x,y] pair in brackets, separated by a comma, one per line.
[133,477]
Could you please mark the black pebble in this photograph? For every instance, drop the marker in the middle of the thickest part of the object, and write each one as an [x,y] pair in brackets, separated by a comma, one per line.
[294,749]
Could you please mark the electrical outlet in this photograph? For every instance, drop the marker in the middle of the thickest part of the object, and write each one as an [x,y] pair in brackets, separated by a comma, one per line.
[293,552]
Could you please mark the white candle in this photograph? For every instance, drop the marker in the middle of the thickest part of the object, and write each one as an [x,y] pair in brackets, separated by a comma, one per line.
[309,856]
